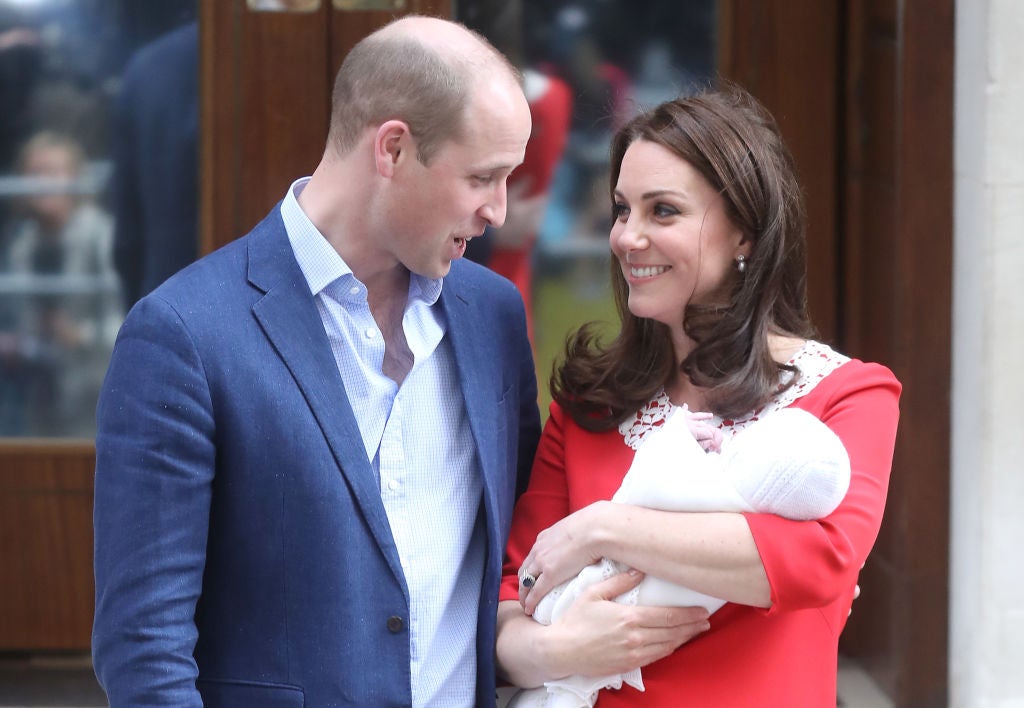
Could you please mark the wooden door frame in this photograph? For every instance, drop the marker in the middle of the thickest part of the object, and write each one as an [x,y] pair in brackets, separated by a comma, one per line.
[863,92]
[46,545]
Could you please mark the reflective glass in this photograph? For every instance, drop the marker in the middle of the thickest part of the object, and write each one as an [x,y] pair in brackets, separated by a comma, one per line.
[65,263]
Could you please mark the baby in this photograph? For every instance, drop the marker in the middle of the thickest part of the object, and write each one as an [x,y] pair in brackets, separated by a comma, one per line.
[788,463]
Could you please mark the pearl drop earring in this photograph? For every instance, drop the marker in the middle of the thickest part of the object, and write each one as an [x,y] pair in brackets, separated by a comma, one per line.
[741,263]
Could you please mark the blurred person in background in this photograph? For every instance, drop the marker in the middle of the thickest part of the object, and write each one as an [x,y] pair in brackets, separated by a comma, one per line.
[508,251]
[66,321]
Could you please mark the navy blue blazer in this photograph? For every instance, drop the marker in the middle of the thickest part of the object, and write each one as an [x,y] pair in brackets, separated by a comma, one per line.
[243,554]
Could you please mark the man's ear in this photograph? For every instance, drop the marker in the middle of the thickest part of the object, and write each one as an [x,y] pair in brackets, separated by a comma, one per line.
[391,143]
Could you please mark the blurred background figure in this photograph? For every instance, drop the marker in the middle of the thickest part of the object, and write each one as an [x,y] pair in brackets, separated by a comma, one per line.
[61,75]
[512,245]
[54,351]
[156,162]
[602,93]
[588,66]
[509,250]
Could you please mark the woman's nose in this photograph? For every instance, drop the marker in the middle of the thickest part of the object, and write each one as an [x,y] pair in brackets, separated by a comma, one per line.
[631,235]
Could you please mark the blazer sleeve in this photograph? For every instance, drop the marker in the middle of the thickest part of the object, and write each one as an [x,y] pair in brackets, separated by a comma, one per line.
[545,502]
[813,563]
[154,470]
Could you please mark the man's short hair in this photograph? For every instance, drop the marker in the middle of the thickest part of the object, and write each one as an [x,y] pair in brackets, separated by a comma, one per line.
[396,77]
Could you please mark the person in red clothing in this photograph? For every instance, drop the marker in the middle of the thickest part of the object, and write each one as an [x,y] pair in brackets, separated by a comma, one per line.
[550,101]
[709,247]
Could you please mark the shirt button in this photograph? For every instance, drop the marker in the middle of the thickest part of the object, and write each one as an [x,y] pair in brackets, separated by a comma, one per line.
[395,624]
[354,290]
[393,484]
[370,332]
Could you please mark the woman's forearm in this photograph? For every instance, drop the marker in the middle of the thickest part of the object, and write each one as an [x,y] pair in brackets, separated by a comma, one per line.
[596,636]
[713,553]
[522,654]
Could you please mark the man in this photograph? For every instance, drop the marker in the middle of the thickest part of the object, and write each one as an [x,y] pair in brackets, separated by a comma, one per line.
[156,162]
[310,441]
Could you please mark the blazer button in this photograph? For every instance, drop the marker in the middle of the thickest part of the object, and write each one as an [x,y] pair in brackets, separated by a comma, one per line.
[395,624]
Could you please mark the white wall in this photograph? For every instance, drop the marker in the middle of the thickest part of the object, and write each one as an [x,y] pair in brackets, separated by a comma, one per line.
[987,545]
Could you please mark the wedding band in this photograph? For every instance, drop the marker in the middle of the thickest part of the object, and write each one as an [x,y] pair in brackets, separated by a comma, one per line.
[527,579]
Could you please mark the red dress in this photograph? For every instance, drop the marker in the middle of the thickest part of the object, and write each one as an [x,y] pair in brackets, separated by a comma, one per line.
[784,656]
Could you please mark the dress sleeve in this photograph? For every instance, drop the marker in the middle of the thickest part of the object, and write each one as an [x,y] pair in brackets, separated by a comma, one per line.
[544,503]
[812,563]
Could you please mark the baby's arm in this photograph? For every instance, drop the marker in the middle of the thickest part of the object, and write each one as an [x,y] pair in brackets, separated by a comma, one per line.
[671,471]
[789,463]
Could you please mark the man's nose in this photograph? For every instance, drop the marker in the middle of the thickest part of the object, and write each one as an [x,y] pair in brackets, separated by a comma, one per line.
[496,207]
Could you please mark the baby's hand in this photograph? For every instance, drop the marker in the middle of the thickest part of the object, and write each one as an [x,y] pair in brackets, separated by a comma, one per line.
[709,437]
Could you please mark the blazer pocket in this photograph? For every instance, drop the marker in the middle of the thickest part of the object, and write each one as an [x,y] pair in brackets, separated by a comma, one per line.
[249,694]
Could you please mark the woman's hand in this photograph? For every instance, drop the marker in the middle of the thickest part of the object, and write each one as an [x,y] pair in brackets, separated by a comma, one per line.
[603,637]
[560,552]
[595,637]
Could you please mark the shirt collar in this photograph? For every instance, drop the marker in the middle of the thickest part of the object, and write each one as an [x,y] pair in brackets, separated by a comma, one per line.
[321,264]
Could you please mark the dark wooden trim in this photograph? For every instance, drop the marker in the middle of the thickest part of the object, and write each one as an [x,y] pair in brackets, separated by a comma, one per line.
[264,102]
[46,545]
[898,247]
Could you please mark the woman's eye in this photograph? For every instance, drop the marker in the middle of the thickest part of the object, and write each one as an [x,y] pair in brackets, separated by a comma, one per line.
[619,211]
[664,210]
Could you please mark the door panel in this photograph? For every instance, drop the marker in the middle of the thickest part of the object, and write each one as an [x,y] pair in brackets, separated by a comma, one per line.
[864,95]
[46,545]
[784,52]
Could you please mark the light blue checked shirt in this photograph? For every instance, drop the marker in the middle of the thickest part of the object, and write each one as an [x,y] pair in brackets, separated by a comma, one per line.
[418,440]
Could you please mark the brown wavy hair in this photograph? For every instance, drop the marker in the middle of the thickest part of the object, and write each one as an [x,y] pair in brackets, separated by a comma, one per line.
[735,144]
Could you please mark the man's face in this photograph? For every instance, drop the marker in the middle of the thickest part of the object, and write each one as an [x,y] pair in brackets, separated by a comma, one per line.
[441,205]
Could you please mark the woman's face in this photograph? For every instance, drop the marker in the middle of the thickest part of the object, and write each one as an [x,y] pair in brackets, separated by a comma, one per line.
[671,236]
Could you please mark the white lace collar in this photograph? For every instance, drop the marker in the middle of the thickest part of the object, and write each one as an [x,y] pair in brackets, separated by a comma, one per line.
[815,361]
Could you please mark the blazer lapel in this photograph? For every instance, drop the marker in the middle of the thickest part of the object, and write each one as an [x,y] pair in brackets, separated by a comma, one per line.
[477,386]
[289,317]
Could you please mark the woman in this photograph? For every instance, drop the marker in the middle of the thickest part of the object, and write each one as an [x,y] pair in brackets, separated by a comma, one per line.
[709,277]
